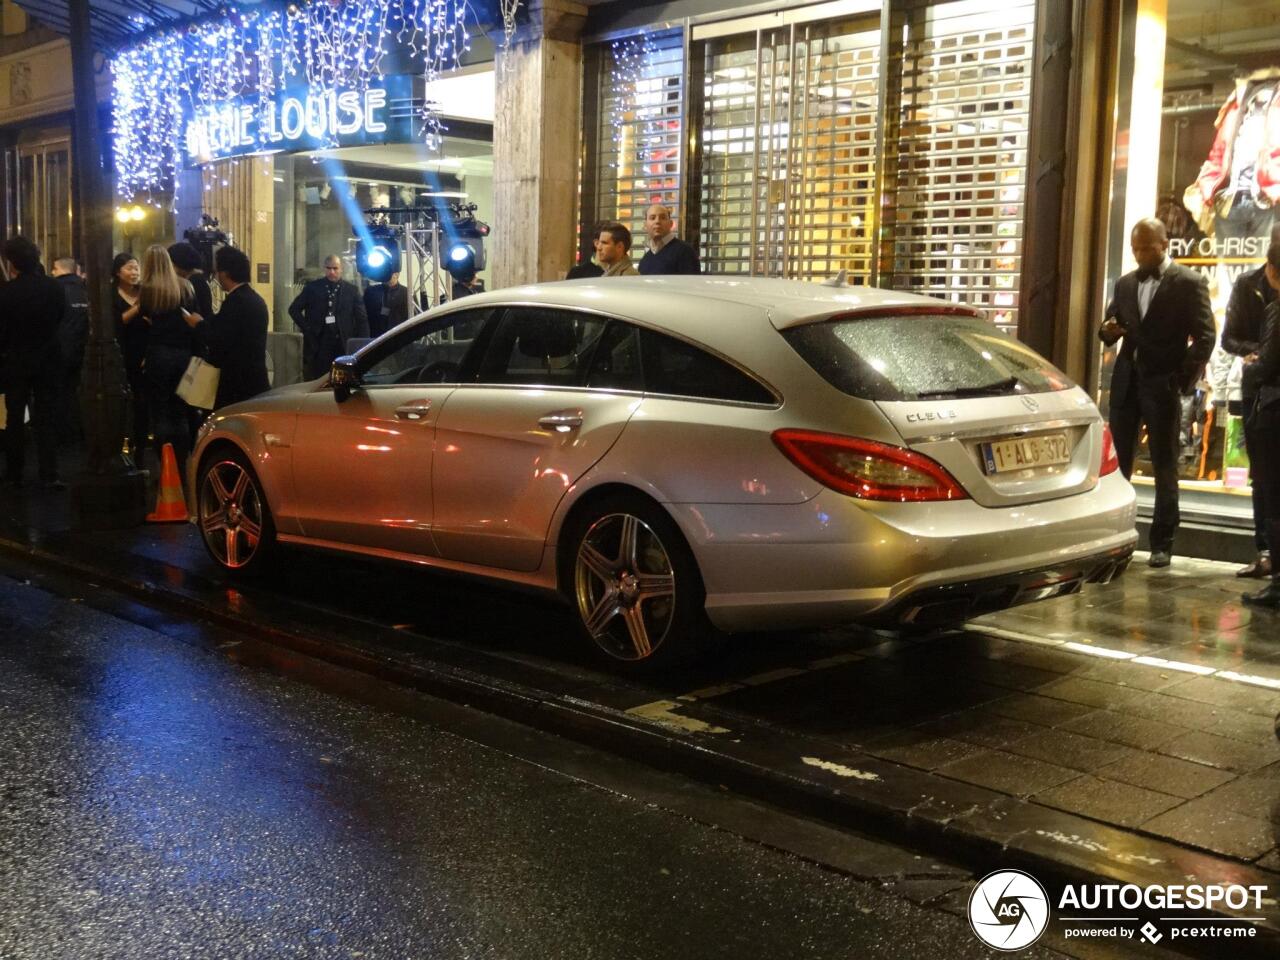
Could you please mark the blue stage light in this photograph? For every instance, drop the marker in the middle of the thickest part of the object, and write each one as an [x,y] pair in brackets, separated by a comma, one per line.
[462,260]
[378,255]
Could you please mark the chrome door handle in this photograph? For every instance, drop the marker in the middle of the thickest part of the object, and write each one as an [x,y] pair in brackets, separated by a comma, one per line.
[561,422]
[414,411]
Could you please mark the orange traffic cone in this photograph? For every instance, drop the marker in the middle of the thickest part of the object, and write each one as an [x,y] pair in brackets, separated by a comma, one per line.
[170,504]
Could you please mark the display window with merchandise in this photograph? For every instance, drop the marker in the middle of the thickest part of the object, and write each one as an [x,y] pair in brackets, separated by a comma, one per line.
[1197,146]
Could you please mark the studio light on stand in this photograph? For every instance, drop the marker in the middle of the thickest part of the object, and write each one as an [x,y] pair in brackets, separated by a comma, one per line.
[432,245]
[378,254]
[462,258]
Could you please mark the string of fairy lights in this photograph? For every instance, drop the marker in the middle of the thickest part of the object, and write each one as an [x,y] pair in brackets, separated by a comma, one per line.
[246,54]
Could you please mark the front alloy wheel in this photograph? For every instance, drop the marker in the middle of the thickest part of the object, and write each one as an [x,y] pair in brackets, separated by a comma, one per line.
[625,586]
[233,518]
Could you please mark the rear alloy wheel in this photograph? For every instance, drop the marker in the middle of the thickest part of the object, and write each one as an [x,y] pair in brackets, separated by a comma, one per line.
[636,586]
[234,519]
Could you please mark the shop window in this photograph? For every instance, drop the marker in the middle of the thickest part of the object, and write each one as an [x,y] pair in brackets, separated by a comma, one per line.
[788,164]
[639,136]
[957,136]
[43,194]
[1198,109]
[786,173]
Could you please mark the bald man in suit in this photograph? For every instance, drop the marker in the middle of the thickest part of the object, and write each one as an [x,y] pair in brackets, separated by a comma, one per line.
[1161,313]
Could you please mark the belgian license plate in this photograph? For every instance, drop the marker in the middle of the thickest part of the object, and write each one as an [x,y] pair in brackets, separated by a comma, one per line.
[1023,453]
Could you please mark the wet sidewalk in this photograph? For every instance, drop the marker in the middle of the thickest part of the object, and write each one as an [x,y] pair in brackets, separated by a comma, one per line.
[1166,697]
[1125,732]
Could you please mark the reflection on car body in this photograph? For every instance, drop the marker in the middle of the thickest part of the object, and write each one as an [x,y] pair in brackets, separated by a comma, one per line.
[673,454]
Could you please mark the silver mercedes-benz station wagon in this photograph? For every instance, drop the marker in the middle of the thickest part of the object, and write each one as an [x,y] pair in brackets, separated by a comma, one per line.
[673,454]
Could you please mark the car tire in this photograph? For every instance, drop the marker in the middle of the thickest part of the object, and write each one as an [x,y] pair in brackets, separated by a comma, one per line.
[635,585]
[233,515]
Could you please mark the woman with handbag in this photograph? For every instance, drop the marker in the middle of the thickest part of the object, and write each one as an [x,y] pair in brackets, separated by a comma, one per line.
[1265,462]
[164,300]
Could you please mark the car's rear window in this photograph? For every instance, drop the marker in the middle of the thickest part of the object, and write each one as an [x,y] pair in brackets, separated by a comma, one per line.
[921,357]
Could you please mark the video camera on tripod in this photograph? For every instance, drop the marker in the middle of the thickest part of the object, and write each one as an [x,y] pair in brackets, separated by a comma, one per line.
[206,237]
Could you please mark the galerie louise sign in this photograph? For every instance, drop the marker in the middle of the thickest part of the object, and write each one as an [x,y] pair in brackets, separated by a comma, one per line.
[301,119]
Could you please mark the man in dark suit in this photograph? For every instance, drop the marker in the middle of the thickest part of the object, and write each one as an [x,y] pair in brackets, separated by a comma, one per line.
[1162,312]
[235,340]
[329,312]
[386,305]
[666,253]
[32,309]
[73,337]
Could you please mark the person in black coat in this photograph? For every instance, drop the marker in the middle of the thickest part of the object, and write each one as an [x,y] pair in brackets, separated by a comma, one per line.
[73,337]
[1162,312]
[235,339]
[32,309]
[666,253]
[329,312]
[386,305]
[1264,455]
[1241,334]
[131,336]
[190,267]
[588,269]
[163,303]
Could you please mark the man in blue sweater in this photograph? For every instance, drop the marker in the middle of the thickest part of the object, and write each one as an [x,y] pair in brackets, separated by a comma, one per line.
[667,253]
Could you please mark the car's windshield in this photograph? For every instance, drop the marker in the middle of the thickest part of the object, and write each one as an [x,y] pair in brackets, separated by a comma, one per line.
[918,357]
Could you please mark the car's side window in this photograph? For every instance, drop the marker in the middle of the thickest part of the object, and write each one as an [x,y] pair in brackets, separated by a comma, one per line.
[540,346]
[434,351]
[680,369]
[615,364]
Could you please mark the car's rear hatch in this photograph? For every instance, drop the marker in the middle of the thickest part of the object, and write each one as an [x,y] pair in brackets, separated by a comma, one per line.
[1007,450]
[1006,424]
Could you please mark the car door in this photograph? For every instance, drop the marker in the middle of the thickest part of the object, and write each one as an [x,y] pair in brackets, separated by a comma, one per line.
[362,467]
[510,445]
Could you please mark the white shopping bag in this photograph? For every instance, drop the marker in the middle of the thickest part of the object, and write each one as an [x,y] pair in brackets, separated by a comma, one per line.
[199,385]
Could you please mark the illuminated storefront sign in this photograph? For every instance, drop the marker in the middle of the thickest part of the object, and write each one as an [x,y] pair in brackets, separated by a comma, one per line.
[303,118]
[1220,259]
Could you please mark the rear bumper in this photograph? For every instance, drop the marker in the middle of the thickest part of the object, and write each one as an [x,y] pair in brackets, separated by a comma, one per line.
[834,560]
[955,602]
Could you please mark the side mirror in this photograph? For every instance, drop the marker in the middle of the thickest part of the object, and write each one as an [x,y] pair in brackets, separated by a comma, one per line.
[344,378]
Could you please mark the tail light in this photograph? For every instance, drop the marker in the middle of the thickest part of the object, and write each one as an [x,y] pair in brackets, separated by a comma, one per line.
[1110,462]
[867,469]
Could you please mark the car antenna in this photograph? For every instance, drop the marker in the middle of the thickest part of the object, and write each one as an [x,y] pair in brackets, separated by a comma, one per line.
[836,281]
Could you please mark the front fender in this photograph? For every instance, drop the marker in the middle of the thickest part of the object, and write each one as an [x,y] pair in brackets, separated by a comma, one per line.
[266,441]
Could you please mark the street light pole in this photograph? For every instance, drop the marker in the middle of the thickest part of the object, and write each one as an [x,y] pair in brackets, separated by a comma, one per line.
[111,492]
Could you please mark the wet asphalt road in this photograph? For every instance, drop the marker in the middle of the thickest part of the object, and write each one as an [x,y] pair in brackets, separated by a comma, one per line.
[160,797]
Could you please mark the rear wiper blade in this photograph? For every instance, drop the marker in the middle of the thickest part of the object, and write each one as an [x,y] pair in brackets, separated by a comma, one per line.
[983,390]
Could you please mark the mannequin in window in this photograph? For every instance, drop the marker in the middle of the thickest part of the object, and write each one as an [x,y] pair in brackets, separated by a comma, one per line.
[1237,188]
